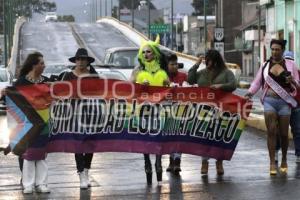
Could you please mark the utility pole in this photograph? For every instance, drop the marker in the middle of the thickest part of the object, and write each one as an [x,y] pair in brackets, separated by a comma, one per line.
[5,31]
[105,8]
[111,8]
[205,26]
[100,8]
[96,9]
[172,22]
[132,13]
[148,2]
[259,29]
[119,17]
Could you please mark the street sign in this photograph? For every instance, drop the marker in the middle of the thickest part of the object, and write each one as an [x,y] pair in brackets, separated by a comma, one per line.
[219,34]
[159,28]
[219,46]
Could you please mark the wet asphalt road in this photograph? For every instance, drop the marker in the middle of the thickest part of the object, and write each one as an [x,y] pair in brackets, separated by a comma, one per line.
[121,176]
[54,40]
[100,37]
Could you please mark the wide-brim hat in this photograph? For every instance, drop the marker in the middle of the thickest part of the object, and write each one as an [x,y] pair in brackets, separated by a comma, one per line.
[82,53]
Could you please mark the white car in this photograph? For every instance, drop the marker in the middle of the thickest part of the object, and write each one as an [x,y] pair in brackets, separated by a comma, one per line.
[5,80]
[111,74]
[53,70]
[51,17]
[122,59]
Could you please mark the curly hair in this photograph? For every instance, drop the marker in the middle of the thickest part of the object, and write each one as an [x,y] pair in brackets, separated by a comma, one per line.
[31,60]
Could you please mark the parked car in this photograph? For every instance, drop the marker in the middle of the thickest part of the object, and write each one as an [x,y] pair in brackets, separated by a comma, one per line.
[53,70]
[111,74]
[51,17]
[122,59]
[121,56]
[5,80]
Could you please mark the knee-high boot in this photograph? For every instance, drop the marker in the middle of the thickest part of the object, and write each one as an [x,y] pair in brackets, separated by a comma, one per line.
[158,168]
[148,168]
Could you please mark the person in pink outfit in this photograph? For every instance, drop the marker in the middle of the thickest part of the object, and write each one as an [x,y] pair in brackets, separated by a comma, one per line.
[278,78]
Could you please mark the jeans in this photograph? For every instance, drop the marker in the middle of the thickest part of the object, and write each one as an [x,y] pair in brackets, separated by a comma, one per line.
[276,105]
[295,126]
[83,161]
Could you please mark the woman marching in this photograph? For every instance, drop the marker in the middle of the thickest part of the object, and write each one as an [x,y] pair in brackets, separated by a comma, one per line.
[151,72]
[278,78]
[35,168]
[216,76]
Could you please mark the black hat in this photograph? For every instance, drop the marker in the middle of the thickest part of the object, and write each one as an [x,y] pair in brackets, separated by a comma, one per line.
[81,53]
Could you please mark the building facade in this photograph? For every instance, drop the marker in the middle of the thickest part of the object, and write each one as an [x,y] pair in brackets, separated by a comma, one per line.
[282,22]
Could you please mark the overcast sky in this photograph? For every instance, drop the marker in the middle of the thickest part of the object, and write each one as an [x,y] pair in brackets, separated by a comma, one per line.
[77,7]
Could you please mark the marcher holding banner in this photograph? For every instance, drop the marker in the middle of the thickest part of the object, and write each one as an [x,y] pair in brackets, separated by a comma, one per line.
[216,76]
[82,69]
[278,78]
[151,72]
[35,168]
[177,78]
[295,115]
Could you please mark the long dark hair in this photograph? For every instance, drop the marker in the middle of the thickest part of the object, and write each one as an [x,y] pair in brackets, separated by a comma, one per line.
[31,60]
[218,64]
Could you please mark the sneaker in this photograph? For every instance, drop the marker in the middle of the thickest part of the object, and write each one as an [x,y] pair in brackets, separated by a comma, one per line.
[83,180]
[42,189]
[297,159]
[171,165]
[86,171]
[177,168]
[28,190]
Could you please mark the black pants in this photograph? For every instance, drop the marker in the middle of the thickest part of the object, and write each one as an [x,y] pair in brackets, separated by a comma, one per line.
[21,161]
[83,161]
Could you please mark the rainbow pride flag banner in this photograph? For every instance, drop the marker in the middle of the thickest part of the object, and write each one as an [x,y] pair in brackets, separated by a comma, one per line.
[95,115]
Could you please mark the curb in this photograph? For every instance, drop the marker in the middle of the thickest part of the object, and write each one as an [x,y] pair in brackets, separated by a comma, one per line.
[258,122]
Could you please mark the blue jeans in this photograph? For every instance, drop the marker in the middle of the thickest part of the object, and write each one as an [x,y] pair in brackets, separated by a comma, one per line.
[295,126]
[276,105]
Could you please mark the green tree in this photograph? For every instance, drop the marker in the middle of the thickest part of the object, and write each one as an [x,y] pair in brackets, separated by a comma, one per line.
[159,21]
[199,7]
[24,8]
[66,18]
[136,3]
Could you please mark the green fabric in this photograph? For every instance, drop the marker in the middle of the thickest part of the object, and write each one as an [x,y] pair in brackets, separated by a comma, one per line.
[203,78]
[152,66]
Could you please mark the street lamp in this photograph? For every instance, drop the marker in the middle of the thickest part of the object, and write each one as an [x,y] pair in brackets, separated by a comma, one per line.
[132,13]
[172,22]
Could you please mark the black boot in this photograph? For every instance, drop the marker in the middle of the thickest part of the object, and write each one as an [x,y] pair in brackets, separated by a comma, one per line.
[148,168]
[177,168]
[158,168]
[171,165]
